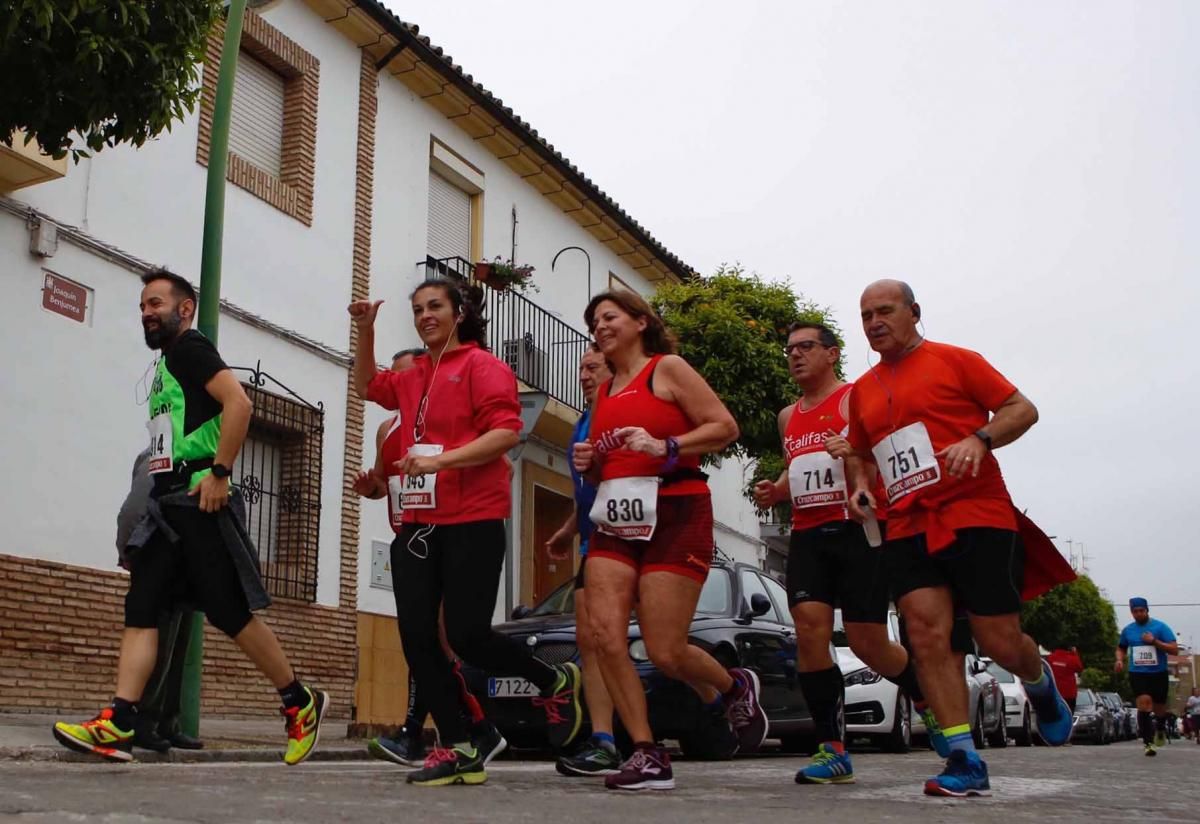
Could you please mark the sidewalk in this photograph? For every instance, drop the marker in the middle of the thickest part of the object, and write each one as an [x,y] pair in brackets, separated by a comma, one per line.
[28,738]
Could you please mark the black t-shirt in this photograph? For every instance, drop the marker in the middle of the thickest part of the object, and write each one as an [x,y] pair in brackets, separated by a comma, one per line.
[193,360]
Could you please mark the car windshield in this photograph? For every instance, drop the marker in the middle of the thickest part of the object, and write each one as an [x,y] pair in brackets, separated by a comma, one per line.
[1001,674]
[559,602]
[1084,699]
[839,631]
[714,598]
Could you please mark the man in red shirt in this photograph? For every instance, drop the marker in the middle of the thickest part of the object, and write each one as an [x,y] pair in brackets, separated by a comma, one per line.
[928,416]
[1065,665]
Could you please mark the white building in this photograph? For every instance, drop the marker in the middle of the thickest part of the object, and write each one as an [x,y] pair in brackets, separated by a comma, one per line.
[362,161]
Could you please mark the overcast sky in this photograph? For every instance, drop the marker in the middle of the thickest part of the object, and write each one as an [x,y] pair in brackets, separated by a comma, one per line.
[1029,167]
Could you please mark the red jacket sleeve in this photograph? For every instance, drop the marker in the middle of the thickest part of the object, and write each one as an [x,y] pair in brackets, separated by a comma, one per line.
[856,434]
[384,389]
[494,394]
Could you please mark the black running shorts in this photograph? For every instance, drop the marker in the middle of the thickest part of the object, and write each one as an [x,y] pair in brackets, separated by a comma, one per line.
[1154,684]
[984,569]
[833,564]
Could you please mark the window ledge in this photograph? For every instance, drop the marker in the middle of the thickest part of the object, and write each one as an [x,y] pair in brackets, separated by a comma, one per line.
[24,165]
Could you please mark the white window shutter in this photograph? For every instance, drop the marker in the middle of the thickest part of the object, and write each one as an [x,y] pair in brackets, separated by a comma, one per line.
[449,219]
[256,123]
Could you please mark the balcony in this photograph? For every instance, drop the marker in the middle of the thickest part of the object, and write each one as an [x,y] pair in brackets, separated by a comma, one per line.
[542,350]
[25,164]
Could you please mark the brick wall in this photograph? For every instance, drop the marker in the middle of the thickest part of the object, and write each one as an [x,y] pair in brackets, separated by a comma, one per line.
[60,632]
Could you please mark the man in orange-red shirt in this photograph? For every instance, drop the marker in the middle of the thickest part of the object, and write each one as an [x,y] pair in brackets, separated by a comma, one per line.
[928,416]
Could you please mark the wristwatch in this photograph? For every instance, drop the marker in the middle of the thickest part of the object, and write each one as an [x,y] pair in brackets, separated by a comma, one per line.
[672,455]
[221,471]
[985,437]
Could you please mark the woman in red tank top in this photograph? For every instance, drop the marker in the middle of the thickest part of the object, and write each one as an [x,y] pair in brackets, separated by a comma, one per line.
[654,526]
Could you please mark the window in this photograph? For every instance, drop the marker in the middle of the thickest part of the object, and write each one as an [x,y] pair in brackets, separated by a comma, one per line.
[752,585]
[273,122]
[714,597]
[449,233]
[779,596]
[279,473]
[256,119]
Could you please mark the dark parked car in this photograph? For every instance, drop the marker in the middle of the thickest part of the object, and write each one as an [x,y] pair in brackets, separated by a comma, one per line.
[1093,720]
[741,619]
[1124,725]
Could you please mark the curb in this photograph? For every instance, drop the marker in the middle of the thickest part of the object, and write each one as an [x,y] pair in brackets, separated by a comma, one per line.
[255,756]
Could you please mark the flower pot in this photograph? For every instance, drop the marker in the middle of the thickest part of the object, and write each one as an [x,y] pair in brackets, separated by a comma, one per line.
[483,274]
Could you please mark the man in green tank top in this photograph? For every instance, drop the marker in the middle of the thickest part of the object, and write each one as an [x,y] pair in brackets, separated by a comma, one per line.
[191,546]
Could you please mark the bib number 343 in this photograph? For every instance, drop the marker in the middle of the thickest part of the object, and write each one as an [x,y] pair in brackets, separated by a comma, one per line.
[906,462]
[627,508]
[418,491]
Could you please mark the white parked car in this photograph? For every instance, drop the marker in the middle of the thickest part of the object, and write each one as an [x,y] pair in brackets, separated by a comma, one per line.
[1018,714]
[875,708]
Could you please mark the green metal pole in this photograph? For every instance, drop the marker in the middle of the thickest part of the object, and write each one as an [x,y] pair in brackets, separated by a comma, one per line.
[210,302]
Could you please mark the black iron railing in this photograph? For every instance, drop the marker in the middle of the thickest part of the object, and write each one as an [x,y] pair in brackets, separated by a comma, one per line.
[279,473]
[542,350]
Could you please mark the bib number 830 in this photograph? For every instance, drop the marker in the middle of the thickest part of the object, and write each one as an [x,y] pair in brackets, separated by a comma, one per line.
[624,510]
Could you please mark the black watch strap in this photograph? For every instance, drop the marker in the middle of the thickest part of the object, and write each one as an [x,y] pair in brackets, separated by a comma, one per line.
[985,437]
[221,471]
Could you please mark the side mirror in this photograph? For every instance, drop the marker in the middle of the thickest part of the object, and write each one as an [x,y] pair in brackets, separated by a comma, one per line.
[759,604]
[520,611]
[978,667]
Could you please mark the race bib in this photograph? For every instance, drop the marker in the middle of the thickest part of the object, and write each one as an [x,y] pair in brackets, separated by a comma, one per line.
[395,487]
[627,508]
[419,491]
[1145,655]
[160,443]
[816,479]
[905,460]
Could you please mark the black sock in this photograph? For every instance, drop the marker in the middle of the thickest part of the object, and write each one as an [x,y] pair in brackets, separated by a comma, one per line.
[294,695]
[124,713]
[825,692]
[907,681]
[1145,727]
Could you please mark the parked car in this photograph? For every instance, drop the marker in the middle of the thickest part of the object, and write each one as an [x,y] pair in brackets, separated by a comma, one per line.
[1018,712]
[986,704]
[875,708]
[741,619]
[1093,720]
[1123,725]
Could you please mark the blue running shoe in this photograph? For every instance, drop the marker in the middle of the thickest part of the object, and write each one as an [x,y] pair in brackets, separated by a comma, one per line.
[827,767]
[965,775]
[933,730]
[1054,719]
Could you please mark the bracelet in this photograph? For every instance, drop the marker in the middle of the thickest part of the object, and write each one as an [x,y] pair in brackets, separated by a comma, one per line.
[672,454]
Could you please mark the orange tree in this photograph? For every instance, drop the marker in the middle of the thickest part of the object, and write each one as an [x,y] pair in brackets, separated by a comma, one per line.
[732,327]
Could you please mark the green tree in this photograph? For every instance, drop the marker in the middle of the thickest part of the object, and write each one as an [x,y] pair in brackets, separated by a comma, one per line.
[732,327]
[1077,615]
[99,71]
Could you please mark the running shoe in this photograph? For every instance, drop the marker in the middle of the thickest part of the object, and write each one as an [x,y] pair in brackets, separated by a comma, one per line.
[453,766]
[965,775]
[1054,717]
[746,714]
[646,769]
[100,736]
[828,767]
[595,757]
[1150,751]
[304,726]
[407,748]
[564,715]
[933,730]
[1160,740]
[486,738]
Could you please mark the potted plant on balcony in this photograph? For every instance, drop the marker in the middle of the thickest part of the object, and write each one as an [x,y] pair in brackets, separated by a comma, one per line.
[501,275]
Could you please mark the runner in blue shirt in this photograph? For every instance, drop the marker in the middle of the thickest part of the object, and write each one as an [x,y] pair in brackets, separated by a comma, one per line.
[598,755]
[1147,642]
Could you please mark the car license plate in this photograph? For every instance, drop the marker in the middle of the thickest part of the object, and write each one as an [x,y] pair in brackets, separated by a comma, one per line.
[511,688]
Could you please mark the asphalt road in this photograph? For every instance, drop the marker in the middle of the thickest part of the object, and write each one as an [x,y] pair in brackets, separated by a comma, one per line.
[1078,783]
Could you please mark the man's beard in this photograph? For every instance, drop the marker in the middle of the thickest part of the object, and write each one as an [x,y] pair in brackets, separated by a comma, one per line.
[165,333]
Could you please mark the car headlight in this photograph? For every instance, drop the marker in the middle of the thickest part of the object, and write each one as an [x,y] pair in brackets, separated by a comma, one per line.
[862,677]
[637,650]
[1011,701]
